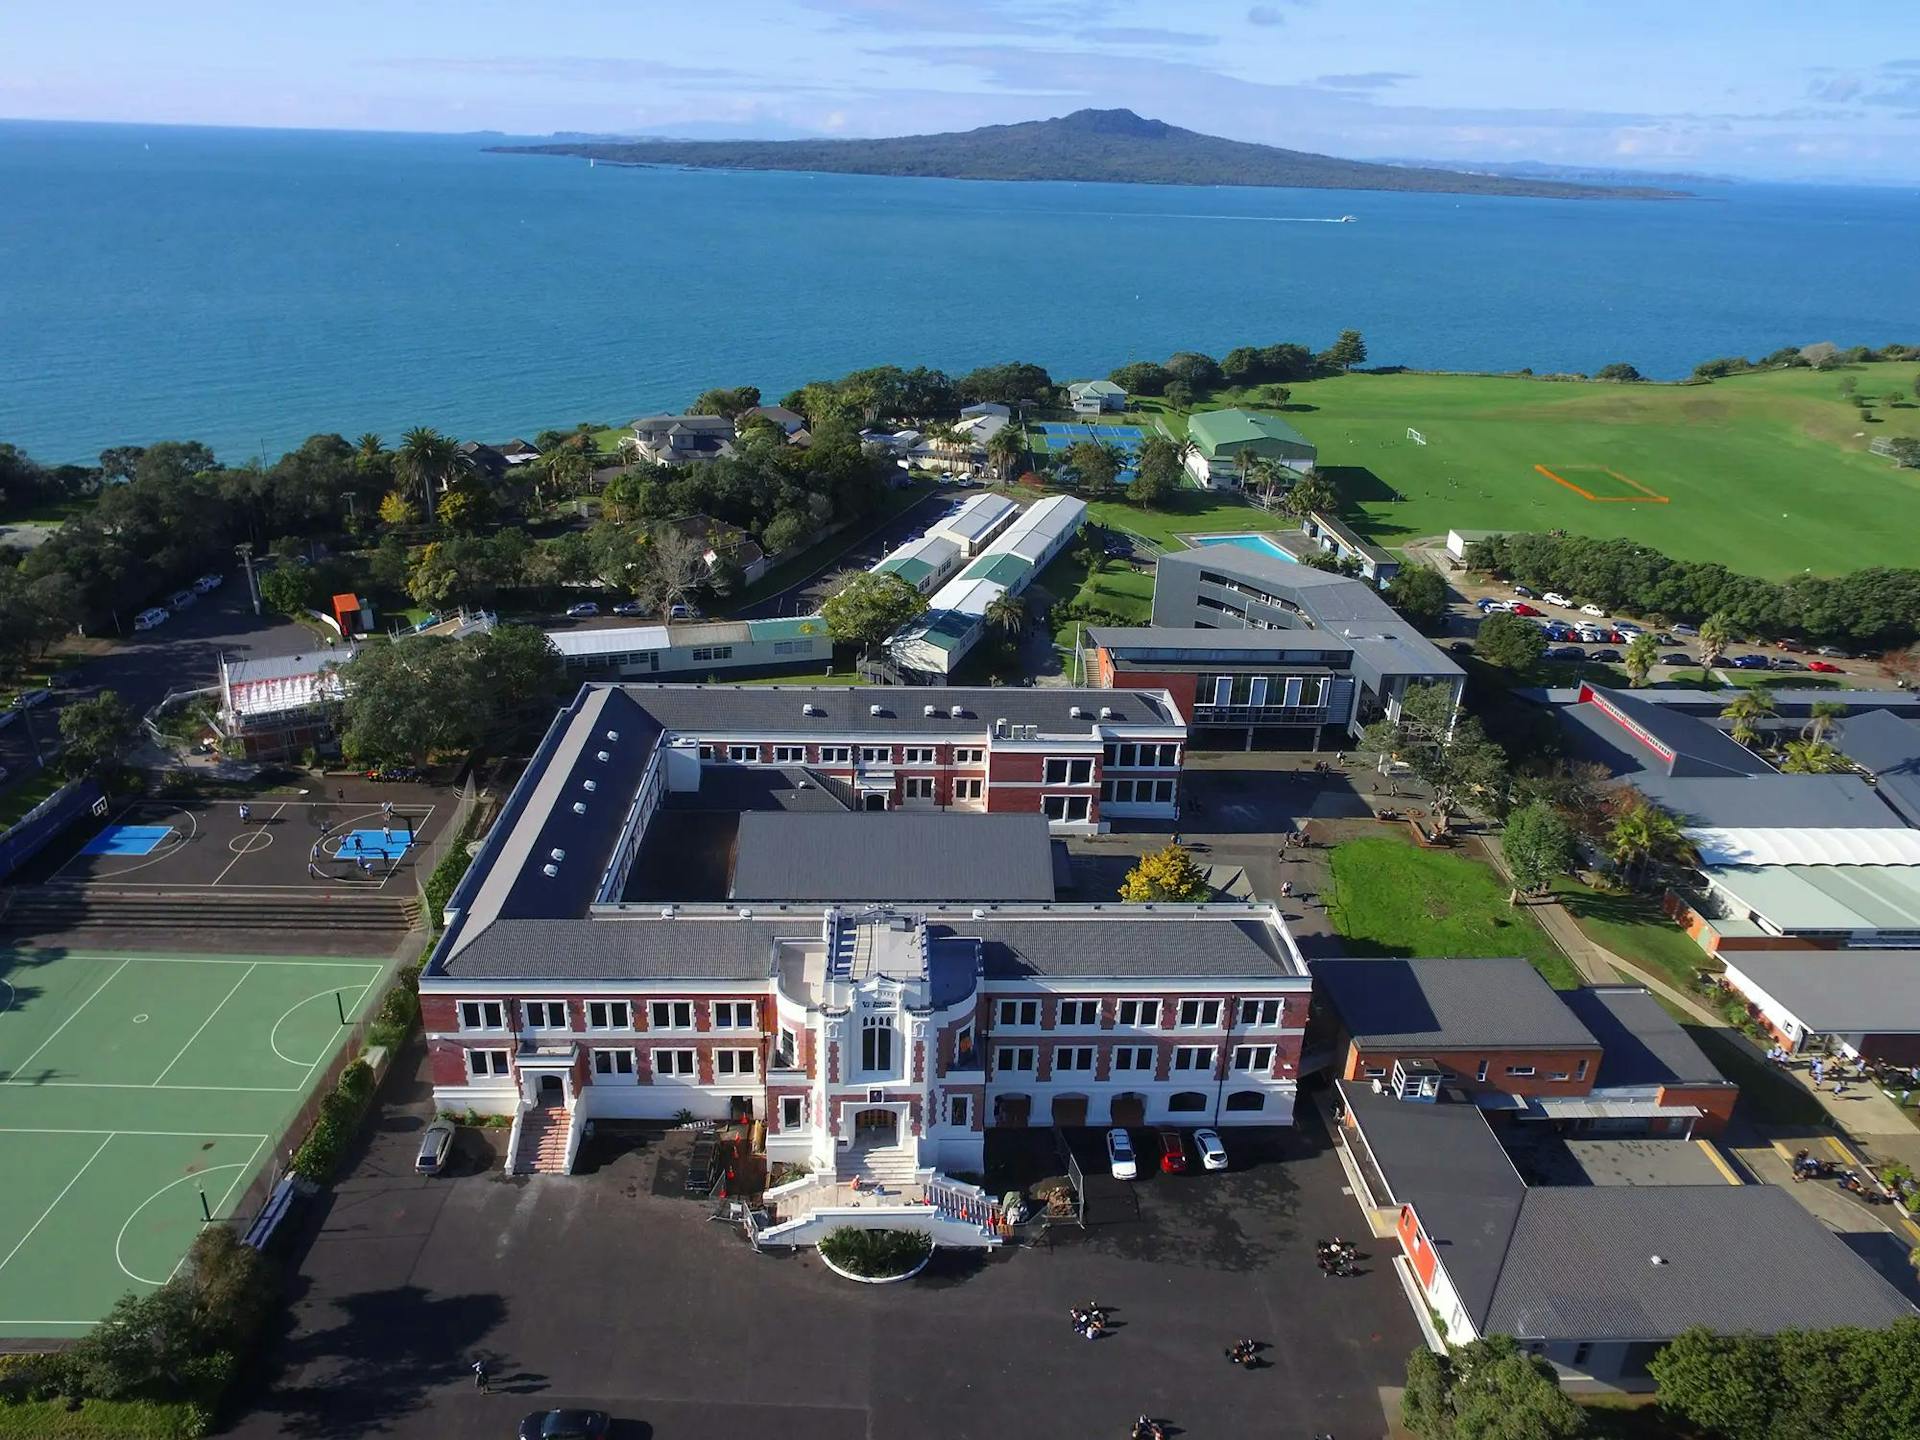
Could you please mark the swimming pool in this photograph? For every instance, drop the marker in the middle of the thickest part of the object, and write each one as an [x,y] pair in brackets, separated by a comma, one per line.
[1259,544]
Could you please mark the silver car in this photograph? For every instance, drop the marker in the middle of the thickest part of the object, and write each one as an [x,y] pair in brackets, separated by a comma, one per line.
[435,1146]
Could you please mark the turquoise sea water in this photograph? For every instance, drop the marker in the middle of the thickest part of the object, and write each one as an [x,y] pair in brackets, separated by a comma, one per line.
[248,288]
[1259,544]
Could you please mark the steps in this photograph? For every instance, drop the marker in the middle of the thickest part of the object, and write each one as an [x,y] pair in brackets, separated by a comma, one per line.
[57,908]
[892,1168]
[543,1141]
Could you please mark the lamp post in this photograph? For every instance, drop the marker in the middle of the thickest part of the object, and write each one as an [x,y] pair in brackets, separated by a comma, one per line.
[245,551]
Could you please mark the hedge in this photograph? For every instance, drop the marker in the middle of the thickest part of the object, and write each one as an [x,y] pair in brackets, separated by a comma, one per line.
[319,1154]
[449,872]
[103,1420]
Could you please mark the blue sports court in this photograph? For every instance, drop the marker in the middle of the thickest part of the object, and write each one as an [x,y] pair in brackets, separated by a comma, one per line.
[128,840]
[374,845]
[1058,436]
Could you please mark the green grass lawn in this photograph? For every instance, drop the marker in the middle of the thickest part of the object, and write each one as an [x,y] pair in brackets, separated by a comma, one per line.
[810,677]
[1635,928]
[1187,512]
[607,441]
[27,794]
[1392,898]
[1766,473]
[1693,676]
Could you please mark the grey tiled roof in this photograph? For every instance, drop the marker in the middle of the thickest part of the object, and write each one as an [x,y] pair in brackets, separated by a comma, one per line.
[644,947]
[1834,802]
[1698,749]
[1840,991]
[763,709]
[1889,747]
[1449,1004]
[1738,1258]
[1117,945]
[1641,1043]
[899,855]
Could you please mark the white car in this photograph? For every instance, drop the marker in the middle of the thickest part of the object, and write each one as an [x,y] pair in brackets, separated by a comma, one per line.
[1554,597]
[208,582]
[151,618]
[1120,1157]
[1594,610]
[1213,1155]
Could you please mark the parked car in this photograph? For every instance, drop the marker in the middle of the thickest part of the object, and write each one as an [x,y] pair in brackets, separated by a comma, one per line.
[565,1425]
[1489,605]
[1213,1155]
[1680,629]
[1665,640]
[1609,655]
[151,618]
[1564,652]
[1833,653]
[1678,657]
[1523,592]
[684,612]
[1823,667]
[1120,1158]
[1520,607]
[1748,662]
[1173,1151]
[629,607]
[1593,610]
[1591,635]
[1791,646]
[1558,630]
[582,609]
[180,600]
[435,1146]
[1787,662]
[27,699]
[1554,597]
[209,582]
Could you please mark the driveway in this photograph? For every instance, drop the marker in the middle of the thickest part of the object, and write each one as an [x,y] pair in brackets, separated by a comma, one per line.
[609,1289]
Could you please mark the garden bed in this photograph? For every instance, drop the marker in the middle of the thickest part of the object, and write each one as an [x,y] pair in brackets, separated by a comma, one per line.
[876,1257]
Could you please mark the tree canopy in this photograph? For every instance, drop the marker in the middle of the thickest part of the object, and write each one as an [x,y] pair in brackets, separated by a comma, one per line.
[866,607]
[1167,874]
[1445,749]
[1538,845]
[1419,592]
[1488,1390]
[1512,642]
[1848,1383]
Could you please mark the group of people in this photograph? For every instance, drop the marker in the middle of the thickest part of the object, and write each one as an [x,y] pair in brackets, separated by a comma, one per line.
[1090,1323]
[1243,1352]
[1146,1427]
[1336,1256]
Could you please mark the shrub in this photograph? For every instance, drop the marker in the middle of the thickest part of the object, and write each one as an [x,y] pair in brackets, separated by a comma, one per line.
[319,1154]
[876,1254]
[447,875]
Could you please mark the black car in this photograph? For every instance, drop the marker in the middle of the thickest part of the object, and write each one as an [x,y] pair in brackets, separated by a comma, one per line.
[1565,652]
[564,1425]
[1676,660]
[1461,647]
[1613,655]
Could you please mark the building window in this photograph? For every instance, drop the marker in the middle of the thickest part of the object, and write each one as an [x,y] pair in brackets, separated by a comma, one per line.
[1133,1057]
[709,752]
[1079,1012]
[790,754]
[1144,1013]
[1066,807]
[1261,1012]
[1193,1057]
[744,754]
[1169,757]
[1520,1070]
[1481,1073]
[713,652]
[920,755]
[967,789]
[1254,1058]
[613,1062]
[876,754]
[607,1015]
[733,1062]
[1162,791]
[792,1112]
[1019,1012]
[1556,1075]
[1199,1014]
[1120,790]
[786,1054]
[1069,772]
[482,1015]
[836,754]
[1374,1072]
[1241,1100]
[1186,1102]
[672,1014]
[673,1062]
[545,1014]
[484,1063]
[1580,1071]
[960,1110]
[917,787]
[968,757]
[876,1043]
[1073,1057]
[1013,1057]
[733,1015]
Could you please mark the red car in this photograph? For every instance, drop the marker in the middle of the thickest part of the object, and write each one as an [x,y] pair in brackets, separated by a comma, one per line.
[1823,667]
[1520,607]
[1173,1152]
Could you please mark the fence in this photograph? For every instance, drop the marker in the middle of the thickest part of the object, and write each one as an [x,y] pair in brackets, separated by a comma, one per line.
[31,832]
[451,834]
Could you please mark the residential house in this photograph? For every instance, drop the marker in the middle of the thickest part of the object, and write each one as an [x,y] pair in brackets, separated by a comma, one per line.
[1096,397]
[676,439]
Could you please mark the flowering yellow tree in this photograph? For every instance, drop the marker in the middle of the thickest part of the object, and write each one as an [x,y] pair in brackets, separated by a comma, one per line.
[1168,874]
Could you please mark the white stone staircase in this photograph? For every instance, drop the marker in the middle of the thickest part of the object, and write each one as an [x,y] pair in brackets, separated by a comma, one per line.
[544,1146]
[879,1187]
[886,1169]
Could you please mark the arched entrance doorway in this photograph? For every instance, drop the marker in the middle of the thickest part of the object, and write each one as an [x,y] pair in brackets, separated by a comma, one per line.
[1011,1110]
[1070,1111]
[876,1127]
[1130,1108]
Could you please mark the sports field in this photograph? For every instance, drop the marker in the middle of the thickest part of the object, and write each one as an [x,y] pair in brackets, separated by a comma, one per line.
[1766,473]
[132,1086]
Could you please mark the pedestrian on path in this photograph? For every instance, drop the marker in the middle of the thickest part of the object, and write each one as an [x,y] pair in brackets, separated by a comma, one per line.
[480,1381]
[246,812]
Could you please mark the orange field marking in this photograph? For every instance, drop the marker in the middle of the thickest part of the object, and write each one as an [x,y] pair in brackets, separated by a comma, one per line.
[1645,497]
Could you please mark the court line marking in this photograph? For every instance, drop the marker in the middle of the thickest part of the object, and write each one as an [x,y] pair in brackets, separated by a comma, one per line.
[153,857]
[165,1134]
[58,1198]
[12,995]
[204,959]
[150,1085]
[243,832]
[203,1024]
[358,1000]
[15,1070]
[1645,497]
[246,1169]
[127,1224]
[273,1035]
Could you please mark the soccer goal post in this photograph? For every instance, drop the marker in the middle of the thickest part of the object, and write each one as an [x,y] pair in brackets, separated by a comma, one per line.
[1415,436]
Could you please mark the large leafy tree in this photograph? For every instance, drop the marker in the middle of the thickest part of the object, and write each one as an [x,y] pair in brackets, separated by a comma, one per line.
[865,608]
[289,589]
[1538,845]
[1096,465]
[1157,473]
[1488,1390]
[96,734]
[1645,838]
[1419,592]
[1168,874]
[1512,642]
[1445,749]
[1847,1383]
[518,670]
[1007,450]
[1347,351]
[410,699]
[728,402]
[1312,494]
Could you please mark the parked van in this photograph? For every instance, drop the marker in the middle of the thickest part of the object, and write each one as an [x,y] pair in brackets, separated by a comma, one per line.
[181,599]
[149,619]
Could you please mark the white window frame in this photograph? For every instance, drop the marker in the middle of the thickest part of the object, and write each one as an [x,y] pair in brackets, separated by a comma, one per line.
[499,1065]
[969,757]
[1074,1059]
[1253,1059]
[876,754]
[654,1007]
[1145,1014]
[960,1111]
[793,1112]
[786,1050]
[836,754]
[1017,1014]
[668,1062]
[1079,1013]
[1068,770]
[1134,1059]
[1206,1015]
[489,1017]
[1481,1073]
[733,1015]
[545,1009]
[878,1026]
[1580,1070]
[735,1064]
[1025,1061]
[621,1008]
[606,1062]
[1193,1059]
[1067,806]
[1519,1072]
[921,755]
[968,789]
[917,787]
[1262,1014]
[743,754]
[789,754]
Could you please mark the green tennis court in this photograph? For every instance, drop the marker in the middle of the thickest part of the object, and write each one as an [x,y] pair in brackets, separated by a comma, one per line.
[130,1086]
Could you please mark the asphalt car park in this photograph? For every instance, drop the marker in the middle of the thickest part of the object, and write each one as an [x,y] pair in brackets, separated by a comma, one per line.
[609,1290]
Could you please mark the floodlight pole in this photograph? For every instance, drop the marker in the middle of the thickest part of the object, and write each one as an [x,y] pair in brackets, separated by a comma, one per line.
[245,551]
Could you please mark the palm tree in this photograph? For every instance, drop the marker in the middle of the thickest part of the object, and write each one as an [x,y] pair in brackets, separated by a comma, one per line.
[1006,448]
[1008,614]
[1746,710]
[1263,473]
[1824,716]
[1643,837]
[1813,757]
[428,459]
[1312,494]
[369,446]
[1642,652]
[1242,463]
[1715,635]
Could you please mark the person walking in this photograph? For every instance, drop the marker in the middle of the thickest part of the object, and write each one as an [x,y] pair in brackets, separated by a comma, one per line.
[246,812]
[480,1381]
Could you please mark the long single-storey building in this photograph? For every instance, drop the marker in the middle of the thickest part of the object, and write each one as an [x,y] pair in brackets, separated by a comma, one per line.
[1221,437]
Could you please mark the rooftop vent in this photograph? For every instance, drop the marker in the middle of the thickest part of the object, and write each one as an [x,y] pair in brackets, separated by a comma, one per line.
[556,854]
[873,709]
[930,711]
[958,712]
[1106,712]
[745,914]
[666,912]
[589,785]
[1000,725]
[1659,1259]
[549,870]
[1076,712]
[603,757]
[579,807]
[807,707]
[978,913]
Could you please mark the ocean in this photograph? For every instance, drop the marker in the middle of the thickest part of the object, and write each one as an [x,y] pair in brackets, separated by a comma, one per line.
[251,287]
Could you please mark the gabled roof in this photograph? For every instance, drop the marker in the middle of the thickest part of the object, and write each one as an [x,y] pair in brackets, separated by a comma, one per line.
[1887,747]
[1659,740]
[1218,431]
[1845,992]
[1449,1004]
[1640,1043]
[1094,388]
[1771,802]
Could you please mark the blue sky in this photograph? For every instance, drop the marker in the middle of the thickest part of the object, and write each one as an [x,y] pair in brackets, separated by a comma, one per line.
[1766,88]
